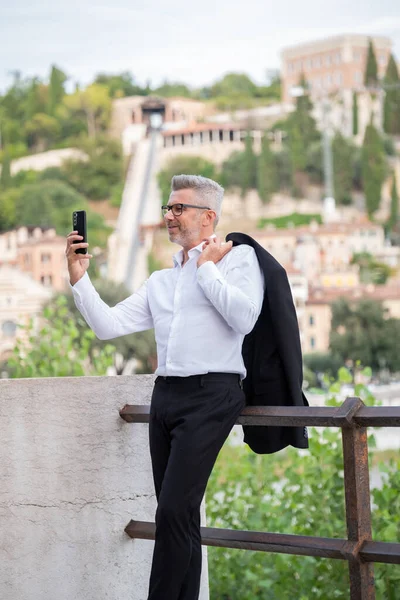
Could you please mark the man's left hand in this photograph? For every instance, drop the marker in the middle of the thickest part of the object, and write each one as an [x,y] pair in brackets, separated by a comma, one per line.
[214,250]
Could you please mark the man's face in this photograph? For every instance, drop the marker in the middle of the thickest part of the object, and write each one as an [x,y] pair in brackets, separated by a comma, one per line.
[187,229]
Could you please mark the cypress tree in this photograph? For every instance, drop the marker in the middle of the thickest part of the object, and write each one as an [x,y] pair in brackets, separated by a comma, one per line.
[56,89]
[5,177]
[391,107]
[355,113]
[373,168]
[302,129]
[371,67]
[394,206]
[343,153]
[267,180]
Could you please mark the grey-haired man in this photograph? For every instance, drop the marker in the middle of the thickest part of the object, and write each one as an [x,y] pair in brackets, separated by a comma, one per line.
[200,309]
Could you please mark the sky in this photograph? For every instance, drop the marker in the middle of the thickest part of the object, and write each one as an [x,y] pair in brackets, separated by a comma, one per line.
[191,41]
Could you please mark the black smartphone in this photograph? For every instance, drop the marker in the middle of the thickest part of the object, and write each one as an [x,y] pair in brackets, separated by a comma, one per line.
[79,225]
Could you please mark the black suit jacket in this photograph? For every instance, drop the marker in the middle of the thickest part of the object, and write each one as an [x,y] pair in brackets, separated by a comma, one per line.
[272,356]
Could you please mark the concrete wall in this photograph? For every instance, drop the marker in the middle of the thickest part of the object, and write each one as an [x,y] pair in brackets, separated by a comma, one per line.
[73,475]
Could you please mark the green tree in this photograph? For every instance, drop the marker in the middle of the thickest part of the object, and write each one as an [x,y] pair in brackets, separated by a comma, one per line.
[36,98]
[5,175]
[391,108]
[183,163]
[373,168]
[360,332]
[267,182]
[292,493]
[371,270]
[56,90]
[248,167]
[285,169]
[343,153]
[120,85]
[301,129]
[42,131]
[171,89]
[314,162]
[96,177]
[231,170]
[8,202]
[94,102]
[371,67]
[51,203]
[234,84]
[57,348]
[355,113]
[394,206]
[272,91]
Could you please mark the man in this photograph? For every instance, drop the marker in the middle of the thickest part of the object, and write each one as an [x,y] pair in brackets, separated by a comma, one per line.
[200,309]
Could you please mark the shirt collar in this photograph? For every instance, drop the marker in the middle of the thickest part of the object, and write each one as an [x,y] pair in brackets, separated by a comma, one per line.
[178,257]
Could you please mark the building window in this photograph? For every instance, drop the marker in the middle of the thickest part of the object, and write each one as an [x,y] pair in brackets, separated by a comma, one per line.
[46,280]
[9,328]
[339,78]
[311,320]
[312,341]
[357,55]
[382,59]
[328,60]
[337,58]
[45,258]
[357,77]
[308,63]
[328,79]
[317,62]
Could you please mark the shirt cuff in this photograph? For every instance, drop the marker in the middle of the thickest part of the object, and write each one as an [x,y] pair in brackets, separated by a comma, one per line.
[208,272]
[83,285]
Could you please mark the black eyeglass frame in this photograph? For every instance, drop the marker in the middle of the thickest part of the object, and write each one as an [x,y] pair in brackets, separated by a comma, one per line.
[180,206]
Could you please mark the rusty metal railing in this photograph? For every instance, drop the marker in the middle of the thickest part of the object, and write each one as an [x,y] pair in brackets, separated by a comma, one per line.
[353,417]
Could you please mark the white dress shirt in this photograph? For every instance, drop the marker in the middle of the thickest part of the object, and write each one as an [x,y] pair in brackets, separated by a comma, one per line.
[200,314]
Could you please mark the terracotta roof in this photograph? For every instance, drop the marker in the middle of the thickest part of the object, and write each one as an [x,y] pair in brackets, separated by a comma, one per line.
[372,292]
[30,228]
[57,239]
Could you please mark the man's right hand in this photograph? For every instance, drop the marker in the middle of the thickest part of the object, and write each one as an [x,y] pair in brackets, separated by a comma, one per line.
[77,263]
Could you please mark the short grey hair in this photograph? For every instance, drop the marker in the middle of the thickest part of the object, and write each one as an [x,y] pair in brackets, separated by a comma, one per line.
[209,192]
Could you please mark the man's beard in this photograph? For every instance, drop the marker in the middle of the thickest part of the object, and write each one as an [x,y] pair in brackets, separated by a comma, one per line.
[183,235]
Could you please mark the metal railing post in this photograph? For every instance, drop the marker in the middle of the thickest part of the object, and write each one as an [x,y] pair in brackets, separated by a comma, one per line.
[358,505]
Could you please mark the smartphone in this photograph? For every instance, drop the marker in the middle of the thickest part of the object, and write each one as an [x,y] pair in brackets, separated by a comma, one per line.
[79,225]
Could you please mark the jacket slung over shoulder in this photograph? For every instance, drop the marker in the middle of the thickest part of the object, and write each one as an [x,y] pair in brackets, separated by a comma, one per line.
[272,356]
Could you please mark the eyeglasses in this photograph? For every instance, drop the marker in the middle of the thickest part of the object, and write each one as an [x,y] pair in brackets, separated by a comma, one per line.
[177,209]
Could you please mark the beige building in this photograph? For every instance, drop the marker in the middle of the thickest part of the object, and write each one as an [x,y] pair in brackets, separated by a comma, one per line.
[21,298]
[316,324]
[32,268]
[11,240]
[45,261]
[323,253]
[38,252]
[330,65]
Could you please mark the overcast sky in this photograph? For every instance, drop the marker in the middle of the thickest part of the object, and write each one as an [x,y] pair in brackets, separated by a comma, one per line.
[175,40]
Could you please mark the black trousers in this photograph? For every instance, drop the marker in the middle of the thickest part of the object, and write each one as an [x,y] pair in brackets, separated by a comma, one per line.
[190,418]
